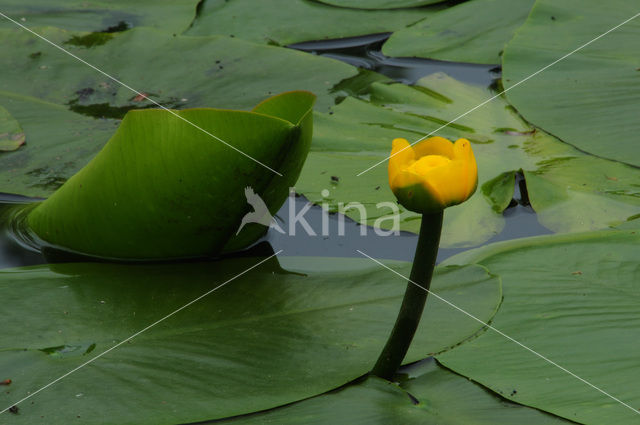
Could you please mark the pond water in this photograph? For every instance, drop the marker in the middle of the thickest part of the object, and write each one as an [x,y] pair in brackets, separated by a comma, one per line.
[364,52]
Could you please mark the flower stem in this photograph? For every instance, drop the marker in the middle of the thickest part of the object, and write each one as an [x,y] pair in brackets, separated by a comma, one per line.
[414,300]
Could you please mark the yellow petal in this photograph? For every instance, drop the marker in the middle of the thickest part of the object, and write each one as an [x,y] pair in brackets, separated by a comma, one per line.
[448,181]
[463,152]
[401,157]
[434,146]
[425,164]
[416,194]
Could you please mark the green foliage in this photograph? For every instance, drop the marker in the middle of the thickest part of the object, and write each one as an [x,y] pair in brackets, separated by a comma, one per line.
[474,31]
[68,111]
[574,299]
[379,4]
[570,190]
[11,134]
[589,99]
[274,335]
[285,22]
[432,394]
[162,188]
[101,15]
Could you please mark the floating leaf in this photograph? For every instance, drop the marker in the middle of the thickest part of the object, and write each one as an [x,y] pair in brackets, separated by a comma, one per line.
[379,4]
[106,16]
[474,31]
[190,72]
[590,98]
[291,21]
[573,299]
[163,188]
[11,134]
[571,191]
[268,338]
[433,395]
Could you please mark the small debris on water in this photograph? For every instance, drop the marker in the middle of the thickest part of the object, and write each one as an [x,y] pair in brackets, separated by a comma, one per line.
[14,410]
[140,97]
[6,382]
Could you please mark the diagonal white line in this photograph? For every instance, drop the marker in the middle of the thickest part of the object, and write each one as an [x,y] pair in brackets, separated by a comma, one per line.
[503,334]
[503,92]
[140,94]
[141,331]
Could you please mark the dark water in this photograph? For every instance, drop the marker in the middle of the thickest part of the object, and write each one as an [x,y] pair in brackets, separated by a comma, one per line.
[363,52]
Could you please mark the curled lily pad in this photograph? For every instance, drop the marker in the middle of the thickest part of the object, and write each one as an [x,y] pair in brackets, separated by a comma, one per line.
[163,188]
[11,134]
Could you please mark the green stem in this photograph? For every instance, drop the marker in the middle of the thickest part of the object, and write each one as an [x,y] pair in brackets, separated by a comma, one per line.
[414,300]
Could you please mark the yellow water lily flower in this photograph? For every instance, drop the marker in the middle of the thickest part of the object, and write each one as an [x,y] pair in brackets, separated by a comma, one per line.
[433,174]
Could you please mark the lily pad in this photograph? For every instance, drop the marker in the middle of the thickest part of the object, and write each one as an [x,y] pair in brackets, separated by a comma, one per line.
[379,4]
[285,22]
[161,188]
[105,16]
[589,99]
[571,191]
[574,299]
[42,92]
[432,395]
[474,31]
[11,134]
[274,335]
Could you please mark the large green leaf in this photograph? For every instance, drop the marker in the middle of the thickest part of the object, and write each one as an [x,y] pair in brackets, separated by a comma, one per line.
[570,191]
[291,21]
[474,31]
[379,4]
[106,15]
[40,85]
[269,337]
[11,134]
[573,299]
[163,188]
[433,395]
[588,99]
